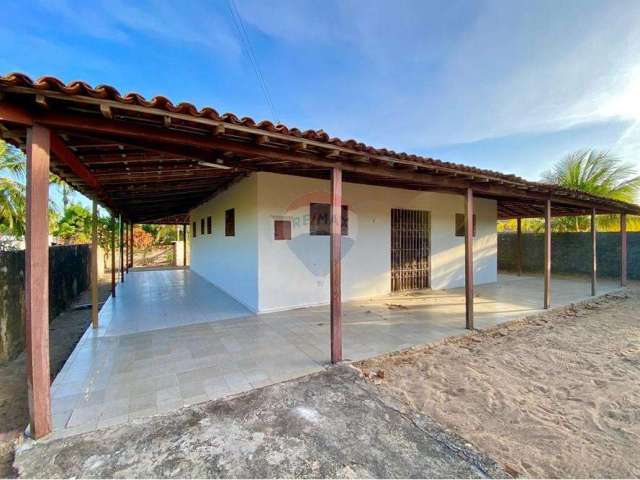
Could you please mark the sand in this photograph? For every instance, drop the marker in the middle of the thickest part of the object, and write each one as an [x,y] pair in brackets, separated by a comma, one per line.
[64,332]
[553,396]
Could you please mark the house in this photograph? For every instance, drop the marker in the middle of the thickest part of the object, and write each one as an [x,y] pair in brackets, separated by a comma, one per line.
[265,241]
[279,218]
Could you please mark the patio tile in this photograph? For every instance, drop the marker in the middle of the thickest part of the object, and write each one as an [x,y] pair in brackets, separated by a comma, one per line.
[237,381]
[144,401]
[191,388]
[84,415]
[142,413]
[115,375]
[60,419]
[105,422]
[114,408]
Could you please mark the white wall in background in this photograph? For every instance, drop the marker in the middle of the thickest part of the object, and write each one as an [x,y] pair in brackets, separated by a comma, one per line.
[295,273]
[231,263]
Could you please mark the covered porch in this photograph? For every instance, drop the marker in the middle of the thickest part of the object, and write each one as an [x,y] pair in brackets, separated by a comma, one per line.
[152,161]
[171,339]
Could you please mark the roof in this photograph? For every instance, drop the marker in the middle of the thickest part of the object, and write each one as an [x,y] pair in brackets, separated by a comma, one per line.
[130,145]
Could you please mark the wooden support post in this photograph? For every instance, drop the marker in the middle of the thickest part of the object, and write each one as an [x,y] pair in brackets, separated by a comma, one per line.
[113,255]
[131,245]
[94,265]
[37,280]
[335,265]
[468,258]
[184,245]
[547,254]
[623,249]
[519,247]
[121,249]
[126,247]
[594,251]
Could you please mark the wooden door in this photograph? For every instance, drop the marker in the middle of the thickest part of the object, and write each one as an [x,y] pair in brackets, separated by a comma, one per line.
[410,247]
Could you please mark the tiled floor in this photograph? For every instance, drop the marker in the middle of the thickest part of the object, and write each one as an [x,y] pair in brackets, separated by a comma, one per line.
[171,339]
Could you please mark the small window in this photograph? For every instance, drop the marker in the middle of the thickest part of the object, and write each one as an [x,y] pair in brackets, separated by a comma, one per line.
[230,222]
[320,214]
[460,225]
[282,229]
[202,226]
[208,225]
[193,229]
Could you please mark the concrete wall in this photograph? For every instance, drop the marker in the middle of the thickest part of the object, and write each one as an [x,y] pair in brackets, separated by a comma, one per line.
[178,253]
[571,253]
[68,276]
[231,263]
[295,273]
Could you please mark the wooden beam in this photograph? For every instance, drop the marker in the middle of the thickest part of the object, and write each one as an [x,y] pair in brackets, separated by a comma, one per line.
[519,246]
[276,135]
[121,249]
[468,258]
[623,249]
[126,247]
[335,265]
[113,255]
[13,114]
[69,159]
[155,135]
[594,253]
[37,280]
[298,147]
[547,254]
[131,243]
[94,265]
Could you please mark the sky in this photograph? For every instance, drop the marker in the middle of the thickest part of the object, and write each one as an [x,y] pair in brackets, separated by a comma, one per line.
[509,85]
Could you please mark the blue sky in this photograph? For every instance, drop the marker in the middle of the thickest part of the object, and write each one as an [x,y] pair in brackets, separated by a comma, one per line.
[510,85]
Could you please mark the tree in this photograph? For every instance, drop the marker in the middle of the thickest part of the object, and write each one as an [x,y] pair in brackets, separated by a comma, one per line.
[142,240]
[598,173]
[75,225]
[12,191]
[67,191]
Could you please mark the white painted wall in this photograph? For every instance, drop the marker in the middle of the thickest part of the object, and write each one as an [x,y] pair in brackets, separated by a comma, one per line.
[295,273]
[269,275]
[231,263]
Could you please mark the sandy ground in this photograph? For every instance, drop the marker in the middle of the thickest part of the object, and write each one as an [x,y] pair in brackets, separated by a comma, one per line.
[157,256]
[330,424]
[64,332]
[557,395]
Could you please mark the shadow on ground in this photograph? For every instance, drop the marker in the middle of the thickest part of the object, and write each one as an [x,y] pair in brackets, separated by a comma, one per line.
[330,424]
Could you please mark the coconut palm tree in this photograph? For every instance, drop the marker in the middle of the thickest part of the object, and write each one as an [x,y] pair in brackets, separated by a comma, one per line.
[596,172]
[65,189]
[12,191]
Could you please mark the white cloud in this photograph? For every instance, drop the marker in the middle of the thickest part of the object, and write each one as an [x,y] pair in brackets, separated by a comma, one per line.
[448,72]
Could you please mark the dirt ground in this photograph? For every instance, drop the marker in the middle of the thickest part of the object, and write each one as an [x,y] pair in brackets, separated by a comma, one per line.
[557,395]
[64,332]
[326,425]
[156,256]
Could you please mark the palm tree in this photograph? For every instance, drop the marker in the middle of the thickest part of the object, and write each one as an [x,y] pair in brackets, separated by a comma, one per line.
[67,191]
[598,173]
[12,190]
